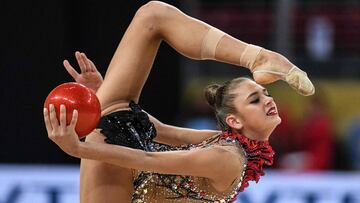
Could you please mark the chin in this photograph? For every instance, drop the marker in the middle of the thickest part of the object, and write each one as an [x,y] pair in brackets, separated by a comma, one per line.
[270,127]
[278,120]
[275,122]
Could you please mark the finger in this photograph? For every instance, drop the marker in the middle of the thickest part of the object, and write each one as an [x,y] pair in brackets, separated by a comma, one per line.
[53,120]
[92,65]
[74,118]
[62,116]
[86,61]
[80,62]
[47,121]
[70,69]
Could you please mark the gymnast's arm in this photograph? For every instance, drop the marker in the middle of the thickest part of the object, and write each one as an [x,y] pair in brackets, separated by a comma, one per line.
[166,134]
[175,136]
[206,162]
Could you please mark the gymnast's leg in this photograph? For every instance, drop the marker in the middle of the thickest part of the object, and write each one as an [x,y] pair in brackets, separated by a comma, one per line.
[158,21]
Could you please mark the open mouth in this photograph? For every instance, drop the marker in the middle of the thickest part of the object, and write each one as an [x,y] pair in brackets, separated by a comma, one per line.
[271,112]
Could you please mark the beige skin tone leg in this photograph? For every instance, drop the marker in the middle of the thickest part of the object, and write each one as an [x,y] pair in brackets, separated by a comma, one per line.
[135,54]
[126,75]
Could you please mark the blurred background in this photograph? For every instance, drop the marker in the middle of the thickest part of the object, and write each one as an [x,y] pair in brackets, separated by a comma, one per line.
[317,145]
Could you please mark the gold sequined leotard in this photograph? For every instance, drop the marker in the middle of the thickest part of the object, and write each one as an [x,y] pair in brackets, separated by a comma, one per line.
[154,187]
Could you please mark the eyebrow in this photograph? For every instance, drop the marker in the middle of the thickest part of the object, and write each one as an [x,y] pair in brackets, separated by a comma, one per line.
[254,93]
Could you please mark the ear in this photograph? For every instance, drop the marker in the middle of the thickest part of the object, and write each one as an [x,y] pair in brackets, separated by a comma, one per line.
[234,122]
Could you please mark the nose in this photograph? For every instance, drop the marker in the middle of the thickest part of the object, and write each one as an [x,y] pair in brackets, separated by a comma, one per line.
[268,101]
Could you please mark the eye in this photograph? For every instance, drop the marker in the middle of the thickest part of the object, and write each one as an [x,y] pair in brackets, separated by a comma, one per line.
[266,93]
[255,101]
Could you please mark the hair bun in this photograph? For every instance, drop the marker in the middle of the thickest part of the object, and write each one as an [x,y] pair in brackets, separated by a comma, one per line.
[211,92]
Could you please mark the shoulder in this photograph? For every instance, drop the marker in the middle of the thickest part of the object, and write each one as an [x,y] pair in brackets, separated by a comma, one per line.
[233,150]
[229,165]
[221,158]
[231,155]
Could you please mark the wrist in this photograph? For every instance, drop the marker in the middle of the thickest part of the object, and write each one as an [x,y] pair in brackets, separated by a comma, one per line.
[98,86]
[77,149]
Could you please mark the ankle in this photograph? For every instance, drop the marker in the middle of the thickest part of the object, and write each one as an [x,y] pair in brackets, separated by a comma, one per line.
[249,56]
[261,59]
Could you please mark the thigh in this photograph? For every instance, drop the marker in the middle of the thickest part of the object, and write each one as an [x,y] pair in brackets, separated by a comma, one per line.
[130,65]
[102,182]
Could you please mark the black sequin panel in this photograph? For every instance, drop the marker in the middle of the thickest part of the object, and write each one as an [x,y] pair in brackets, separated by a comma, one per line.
[129,128]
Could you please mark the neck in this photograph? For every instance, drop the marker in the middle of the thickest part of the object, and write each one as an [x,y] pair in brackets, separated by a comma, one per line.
[264,136]
[257,153]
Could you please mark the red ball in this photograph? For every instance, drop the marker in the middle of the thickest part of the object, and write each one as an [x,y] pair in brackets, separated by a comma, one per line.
[76,96]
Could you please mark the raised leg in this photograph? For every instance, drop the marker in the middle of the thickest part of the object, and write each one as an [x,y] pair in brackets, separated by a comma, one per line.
[157,21]
[132,61]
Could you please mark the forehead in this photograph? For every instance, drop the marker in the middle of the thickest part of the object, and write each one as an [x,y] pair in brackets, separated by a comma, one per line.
[246,88]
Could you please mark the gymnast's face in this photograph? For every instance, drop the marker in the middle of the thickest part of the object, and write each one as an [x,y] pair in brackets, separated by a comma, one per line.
[257,114]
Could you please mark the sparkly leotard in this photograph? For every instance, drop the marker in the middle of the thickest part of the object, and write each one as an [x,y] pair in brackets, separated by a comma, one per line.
[154,187]
[133,129]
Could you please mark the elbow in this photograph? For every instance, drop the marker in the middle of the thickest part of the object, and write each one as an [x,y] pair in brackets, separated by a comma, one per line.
[160,128]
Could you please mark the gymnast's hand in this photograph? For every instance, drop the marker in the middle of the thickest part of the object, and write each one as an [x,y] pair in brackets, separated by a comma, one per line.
[89,76]
[60,133]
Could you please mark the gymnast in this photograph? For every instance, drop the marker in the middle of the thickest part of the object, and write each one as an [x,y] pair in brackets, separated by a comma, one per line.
[133,157]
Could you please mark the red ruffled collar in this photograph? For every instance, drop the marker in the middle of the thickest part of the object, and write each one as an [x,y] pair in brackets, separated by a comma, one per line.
[258,153]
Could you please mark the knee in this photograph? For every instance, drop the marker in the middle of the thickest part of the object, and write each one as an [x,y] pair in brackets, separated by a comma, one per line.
[155,8]
[153,13]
